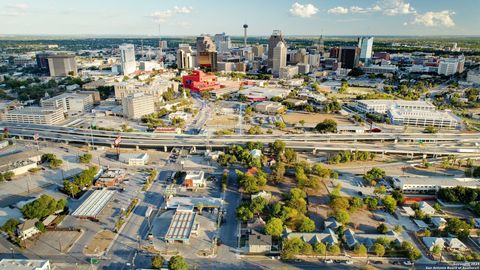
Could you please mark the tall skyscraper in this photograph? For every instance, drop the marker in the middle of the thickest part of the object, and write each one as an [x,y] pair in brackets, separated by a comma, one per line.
[206,53]
[62,65]
[275,38]
[366,46]
[127,59]
[184,57]
[279,58]
[349,57]
[320,45]
[223,43]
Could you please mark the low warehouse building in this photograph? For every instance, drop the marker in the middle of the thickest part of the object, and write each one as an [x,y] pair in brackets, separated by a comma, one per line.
[182,226]
[94,204]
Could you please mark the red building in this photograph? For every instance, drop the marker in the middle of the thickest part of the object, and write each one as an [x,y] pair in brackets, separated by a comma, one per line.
[199,81]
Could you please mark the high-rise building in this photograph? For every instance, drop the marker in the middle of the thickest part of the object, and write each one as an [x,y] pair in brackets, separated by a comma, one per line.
[349,57]
[69,102]
[62,65]
[206,53]
[223,43]
[366,46]
[137,105]
[450,66]
[275,38]
[127,59]
[258,50]
[279,58]
[42,60]
[184,57]
[320,45]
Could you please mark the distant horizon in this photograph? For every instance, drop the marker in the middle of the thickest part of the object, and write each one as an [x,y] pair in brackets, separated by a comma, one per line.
[234,36]
[189,17]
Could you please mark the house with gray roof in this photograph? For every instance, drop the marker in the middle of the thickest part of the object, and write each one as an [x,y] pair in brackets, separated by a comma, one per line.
[328,237]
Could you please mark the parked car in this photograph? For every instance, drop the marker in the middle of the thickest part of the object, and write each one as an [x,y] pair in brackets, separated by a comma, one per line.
[328,261]
[349,262]
[407,263]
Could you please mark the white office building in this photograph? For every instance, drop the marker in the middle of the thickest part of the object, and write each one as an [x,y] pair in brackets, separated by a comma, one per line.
[69,102]
[423,118]
[366,46]
[137,105]
[185,59]
[223,42]
[279,58]
[432,184]
[451,66]
[381,106]
[127,58]
[155,88]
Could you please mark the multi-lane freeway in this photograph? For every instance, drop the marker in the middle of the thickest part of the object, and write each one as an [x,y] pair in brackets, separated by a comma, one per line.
[401,143]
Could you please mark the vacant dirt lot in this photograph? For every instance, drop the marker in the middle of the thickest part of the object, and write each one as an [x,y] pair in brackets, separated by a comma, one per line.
[223,121]
[54,242]
[353,92]
[99,243]
[313,118]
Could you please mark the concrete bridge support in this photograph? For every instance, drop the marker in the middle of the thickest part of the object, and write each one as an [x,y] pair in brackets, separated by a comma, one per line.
[165,149]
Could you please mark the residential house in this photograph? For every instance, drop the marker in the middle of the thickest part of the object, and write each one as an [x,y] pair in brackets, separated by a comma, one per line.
[328,237]
[27,229]
[331,223]
[439,222]
[426,208]
[259,243]
[368,240]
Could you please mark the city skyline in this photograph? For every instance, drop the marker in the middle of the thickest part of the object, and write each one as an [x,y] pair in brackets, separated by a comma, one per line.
[190,18]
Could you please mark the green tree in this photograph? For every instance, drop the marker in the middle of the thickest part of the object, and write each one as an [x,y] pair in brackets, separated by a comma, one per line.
[280,125]
[327,126]
[291,248]
[55,163]
[371,203]
[390,204]
[437,250]
[244,213]
[342,216]
[177,262]
[274,227]
[278,171]
[320,248]
[411,252]
[458,227]
[43,207]
[85,158]
[157,262]
[334,249]
[307,225]
[361,250]
[382,228]
[398,229]
[10,225]
[8,175]
[71,188]
[373,175]
[47,157]
[378,249]
[381,190]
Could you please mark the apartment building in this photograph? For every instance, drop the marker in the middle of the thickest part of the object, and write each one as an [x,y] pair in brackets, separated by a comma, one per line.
[137,105]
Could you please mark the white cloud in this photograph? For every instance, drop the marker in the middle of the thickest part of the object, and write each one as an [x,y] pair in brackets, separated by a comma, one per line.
[356,9]
[161,16]
[433,19]
[338,10]
[182,10]
[395,7]
[19,6]
[303,11]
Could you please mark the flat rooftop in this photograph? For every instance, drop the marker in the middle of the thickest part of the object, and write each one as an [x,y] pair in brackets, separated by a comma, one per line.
[424,115]
[437,181]
[180,228]
[22,264]
[19,156]
[176,202]
[94,204]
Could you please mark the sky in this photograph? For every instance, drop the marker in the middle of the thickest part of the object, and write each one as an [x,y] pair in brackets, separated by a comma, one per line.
[194,17]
